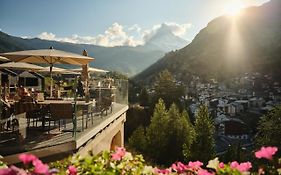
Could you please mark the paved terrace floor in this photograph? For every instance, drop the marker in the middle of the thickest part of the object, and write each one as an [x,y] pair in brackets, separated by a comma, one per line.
[12,143]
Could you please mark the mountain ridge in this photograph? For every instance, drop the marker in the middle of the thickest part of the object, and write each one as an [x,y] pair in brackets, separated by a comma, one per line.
[212,55]
[125,59]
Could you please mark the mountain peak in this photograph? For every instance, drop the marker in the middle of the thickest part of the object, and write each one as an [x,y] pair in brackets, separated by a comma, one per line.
[164,39]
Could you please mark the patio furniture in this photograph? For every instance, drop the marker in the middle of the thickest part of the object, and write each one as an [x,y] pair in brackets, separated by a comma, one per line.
[8,121]
[87,110]
[104,105]
[34,116]
[61,111]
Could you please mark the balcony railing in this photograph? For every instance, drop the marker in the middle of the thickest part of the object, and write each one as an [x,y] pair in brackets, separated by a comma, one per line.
[30,124]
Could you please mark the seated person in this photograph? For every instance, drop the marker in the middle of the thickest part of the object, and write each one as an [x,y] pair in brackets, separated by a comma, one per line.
[20,92]
[80,90]
[5,102]
[6,109]
[26,92]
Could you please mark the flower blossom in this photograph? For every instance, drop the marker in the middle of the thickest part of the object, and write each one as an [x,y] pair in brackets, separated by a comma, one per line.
[204,172]
[221,165]
[119,153]
[7,171]
[72,170]
[17,171]
[242,167]
[39,167]
[214,164]
[179,167]
[266,152]
[162,171]
[195,165]
[27,158]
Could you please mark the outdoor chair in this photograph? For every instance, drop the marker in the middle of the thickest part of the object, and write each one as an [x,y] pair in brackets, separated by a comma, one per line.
[60,112]
[86,111]
[30,107]
[33,116]
[104,105]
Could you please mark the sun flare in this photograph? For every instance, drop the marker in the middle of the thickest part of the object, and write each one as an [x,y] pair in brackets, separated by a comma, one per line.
[233,8]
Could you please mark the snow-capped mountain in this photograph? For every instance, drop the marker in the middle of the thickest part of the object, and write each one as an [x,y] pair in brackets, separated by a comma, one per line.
[165,40]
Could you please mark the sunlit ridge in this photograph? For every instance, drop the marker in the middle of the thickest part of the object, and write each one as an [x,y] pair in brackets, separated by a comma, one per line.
[233,8]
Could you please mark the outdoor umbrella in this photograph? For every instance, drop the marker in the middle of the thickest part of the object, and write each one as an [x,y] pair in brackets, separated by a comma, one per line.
[4,59]
[20,66]
[58,71]
[48,56]
[90,69]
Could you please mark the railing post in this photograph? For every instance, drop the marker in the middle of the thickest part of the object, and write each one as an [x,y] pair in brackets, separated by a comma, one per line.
[75,109]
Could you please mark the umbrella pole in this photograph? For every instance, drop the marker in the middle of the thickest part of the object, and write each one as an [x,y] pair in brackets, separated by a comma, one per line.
[51,75]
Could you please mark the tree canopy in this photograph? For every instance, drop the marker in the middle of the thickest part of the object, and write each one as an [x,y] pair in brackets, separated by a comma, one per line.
[203,147]
[167,89]
[269,128]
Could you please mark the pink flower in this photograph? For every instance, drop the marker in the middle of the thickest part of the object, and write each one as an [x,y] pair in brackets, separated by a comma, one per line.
[17,171]
[204,172]
[7,171]
[27,158]
[195,165]
[243,167]
[39,167]
[119,153]
[221,165]
[179,167]
[266,152]
[234,165]
[72,170]
[164,171]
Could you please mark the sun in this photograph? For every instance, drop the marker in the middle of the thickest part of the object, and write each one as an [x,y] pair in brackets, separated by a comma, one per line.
[233,8]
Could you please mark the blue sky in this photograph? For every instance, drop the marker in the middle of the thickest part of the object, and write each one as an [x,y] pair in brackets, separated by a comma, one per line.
[108,22]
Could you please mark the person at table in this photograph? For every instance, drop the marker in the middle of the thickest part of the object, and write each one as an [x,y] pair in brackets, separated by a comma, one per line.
[25,93]
[80,90]
[20,92]
[6,109]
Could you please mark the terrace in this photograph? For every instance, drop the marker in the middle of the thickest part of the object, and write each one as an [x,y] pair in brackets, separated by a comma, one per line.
[66,125]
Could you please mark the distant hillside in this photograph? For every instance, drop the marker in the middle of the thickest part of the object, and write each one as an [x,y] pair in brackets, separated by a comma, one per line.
[227,46]
[128,60]
[124,59]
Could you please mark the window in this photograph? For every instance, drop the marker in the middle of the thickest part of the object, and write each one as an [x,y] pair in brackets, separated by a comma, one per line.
[31,82]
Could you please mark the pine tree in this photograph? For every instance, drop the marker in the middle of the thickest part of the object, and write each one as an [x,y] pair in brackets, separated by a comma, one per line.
[138,140]
[156,134]
[167,89]
[180,134]
[186,147]
[167,135]
[203,148]
[269,129]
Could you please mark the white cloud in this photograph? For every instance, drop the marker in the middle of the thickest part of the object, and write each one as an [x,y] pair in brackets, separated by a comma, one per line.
[177,29]
[47,36]
[135,27]
[118,35]
[26,37]
[113,36]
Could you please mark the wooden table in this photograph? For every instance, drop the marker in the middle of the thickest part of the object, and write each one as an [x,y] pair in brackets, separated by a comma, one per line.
[78,103]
